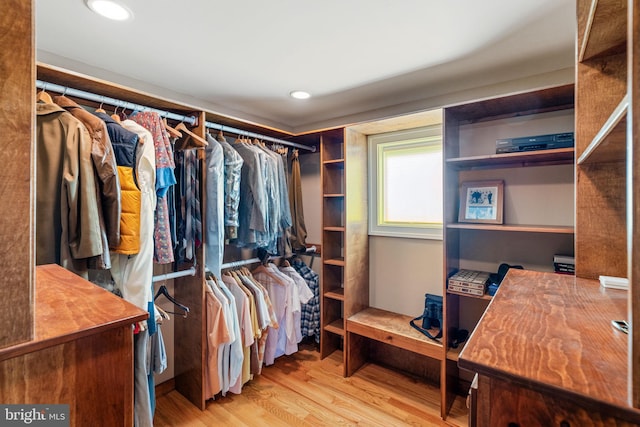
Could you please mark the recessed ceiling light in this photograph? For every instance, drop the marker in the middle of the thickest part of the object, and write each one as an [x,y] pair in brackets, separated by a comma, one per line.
[300,94]
[110,9]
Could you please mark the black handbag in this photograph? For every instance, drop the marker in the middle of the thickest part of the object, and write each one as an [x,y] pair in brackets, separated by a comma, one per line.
[431,318]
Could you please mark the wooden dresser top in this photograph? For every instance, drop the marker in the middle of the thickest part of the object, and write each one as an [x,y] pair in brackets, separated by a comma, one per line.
[553,333]
[67,307]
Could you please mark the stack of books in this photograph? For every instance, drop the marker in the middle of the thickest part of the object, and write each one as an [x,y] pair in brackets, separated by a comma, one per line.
[468,282]
[564,264]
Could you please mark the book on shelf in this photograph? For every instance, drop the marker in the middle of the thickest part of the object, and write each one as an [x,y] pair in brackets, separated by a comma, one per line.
[564,264]
[464,290]
[468,282]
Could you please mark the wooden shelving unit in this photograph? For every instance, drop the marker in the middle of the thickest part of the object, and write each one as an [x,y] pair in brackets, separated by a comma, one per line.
[603,102]
[607,94]
[470,134]
[345,275]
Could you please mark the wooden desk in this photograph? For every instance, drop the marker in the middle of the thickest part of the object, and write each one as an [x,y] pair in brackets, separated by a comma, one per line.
[547,355]
[81,354]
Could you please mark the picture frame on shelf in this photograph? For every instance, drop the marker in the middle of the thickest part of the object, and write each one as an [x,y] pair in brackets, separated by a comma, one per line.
[481,202]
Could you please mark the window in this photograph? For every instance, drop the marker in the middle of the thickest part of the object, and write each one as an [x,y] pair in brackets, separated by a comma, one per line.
[405,183]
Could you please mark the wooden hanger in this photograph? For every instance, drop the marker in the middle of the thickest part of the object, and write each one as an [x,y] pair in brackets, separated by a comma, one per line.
[173,132]
[191,137]
[262,269]
[43,96]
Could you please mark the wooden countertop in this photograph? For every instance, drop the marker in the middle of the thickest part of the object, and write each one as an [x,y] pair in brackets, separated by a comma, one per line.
[67,307]
[553,333]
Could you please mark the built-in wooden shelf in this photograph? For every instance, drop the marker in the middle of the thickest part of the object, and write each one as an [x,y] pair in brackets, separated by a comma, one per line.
[334,195]
[337,294]
[511,160]
[486,297]
[337,162]
[557,229]
[518,105]
[394,329]
[612,28]
[334,228]
[609,144]
[335,261]
[336,327]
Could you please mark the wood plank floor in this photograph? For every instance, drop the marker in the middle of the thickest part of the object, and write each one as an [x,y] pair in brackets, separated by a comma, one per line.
[302,390]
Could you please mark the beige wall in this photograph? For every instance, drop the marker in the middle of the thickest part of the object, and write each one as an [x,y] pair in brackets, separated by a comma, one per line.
[401,271]
[311,195]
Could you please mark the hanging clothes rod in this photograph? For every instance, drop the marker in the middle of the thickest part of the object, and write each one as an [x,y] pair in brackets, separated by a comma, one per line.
[175,275]
[257,135]
[76,93]
[240,263]
[111,101]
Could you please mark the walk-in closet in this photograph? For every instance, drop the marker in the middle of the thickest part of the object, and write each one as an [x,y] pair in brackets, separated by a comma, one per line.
[201,230]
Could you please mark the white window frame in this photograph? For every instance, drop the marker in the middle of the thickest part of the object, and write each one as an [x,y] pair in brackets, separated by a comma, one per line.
[424,136]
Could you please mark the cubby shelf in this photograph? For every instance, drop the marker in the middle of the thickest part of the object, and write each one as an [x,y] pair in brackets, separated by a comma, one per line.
[335,327]
[610,143]
[611,33]
[337,294]
[335,261]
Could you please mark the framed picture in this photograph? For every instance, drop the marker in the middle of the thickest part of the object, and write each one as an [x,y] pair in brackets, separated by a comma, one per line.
[481,202]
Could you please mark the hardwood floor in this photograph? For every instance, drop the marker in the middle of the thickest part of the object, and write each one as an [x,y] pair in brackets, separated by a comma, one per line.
[301,390]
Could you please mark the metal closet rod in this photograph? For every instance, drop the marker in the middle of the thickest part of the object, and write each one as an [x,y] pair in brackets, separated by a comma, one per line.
[111,101]
[76,93]
[257,135]
[174,275]
[242,262]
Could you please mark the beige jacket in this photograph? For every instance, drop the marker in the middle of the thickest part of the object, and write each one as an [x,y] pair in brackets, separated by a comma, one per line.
[104,162]
[67,220]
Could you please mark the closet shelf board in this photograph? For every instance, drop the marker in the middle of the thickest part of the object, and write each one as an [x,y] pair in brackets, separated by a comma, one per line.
[609,144]
[394,329]
[555,156]
[517,105]
[484,297]
[336,327]
[521,228]
[334,229]
[612,29]
[335,261]
[334,162]
[334,195]
[337,294]
[67,308]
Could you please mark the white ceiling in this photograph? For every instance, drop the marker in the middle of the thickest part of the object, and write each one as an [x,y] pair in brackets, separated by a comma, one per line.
[359,58]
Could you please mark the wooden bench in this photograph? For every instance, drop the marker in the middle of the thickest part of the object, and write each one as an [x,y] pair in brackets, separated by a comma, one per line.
[387,327]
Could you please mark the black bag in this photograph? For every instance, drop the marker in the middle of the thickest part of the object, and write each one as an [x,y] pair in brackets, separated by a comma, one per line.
[431,318]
